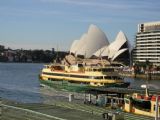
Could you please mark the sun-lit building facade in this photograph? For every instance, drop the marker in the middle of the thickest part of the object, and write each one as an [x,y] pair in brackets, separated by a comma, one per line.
[147,45]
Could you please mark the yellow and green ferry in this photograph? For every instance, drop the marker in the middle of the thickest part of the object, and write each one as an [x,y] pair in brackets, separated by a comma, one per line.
[80,77]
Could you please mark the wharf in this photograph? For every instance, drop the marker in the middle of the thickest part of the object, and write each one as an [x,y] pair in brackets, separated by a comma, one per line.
[113,90]
[40,111]
[56,106]
[117,94]
[58,110]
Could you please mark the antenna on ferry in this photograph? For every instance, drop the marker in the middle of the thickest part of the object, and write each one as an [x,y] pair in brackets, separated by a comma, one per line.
[100,55]
[56,60]
[85,54]
[109,59]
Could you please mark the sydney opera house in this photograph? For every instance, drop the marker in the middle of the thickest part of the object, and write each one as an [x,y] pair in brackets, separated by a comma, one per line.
[95,44]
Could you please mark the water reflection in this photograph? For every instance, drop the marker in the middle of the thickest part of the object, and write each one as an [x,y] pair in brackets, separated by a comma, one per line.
[136,83]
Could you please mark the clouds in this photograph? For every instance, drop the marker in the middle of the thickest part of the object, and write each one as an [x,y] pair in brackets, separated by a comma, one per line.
[66,19]
[84,11]
[16,11]
[108,4]
[88,3]
[121,10]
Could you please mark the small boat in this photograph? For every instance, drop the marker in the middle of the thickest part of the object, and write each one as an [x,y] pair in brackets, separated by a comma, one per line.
[141,104]
[80,77]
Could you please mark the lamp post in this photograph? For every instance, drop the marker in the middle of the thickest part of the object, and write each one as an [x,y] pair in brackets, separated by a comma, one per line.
[147,72]
[156,107]
[146,89]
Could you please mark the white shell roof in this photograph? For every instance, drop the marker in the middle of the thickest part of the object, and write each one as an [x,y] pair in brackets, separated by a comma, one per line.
[81,43]
[118,53]
[102,52]
[95,42]
[113,50]
[91,42]
[116,45]
[74,46]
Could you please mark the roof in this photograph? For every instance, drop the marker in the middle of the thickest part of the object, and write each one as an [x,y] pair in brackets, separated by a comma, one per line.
[95,42]
[90,42]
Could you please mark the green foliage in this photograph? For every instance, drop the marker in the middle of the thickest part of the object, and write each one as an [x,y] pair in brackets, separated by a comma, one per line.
[37,56]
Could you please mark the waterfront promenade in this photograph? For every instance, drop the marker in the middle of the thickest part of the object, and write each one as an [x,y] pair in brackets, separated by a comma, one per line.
[60,111]
[57,107]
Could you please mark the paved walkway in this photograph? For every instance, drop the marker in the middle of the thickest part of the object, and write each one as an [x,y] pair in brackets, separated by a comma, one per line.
[99,110]
[56,105]
[78,105]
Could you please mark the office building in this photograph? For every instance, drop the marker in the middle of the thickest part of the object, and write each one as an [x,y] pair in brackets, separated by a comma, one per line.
[147,44]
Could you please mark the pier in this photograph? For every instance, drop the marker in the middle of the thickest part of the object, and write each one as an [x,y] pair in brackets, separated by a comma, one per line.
[117,90]
[58,110]
[113,97]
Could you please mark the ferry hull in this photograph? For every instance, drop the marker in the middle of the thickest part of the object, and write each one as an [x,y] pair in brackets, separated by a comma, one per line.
[66,86]
[75,87]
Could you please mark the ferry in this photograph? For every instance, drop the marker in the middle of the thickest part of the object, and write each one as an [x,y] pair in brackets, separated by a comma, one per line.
[142,104]
[80,77]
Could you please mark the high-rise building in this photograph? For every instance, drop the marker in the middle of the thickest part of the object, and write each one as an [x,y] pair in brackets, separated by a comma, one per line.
[147,44]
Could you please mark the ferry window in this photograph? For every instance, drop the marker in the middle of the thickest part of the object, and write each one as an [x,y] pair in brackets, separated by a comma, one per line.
[107,77]
[91,77]
[119,78]
[108,70]
[80,65]
[145,105]
[66,75]
[79,76]
[115,77]
[96,77]
[99,77]
[56,74]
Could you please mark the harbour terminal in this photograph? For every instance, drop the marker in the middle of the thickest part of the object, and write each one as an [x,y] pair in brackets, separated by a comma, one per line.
[89,81]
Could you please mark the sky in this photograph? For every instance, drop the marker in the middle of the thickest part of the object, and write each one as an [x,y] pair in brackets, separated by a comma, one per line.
[46,24]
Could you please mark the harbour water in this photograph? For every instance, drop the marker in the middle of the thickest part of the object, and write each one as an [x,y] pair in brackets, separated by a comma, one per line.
[19,81]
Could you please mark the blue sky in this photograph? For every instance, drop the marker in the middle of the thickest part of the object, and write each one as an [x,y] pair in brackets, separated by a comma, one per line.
[44,24]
